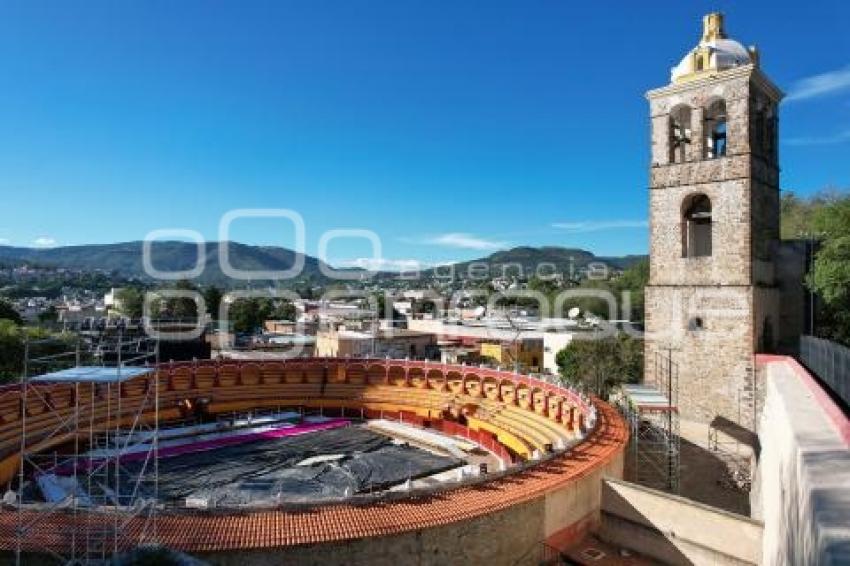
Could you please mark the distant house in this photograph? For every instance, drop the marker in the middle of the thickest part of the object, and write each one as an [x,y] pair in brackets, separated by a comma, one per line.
[391,343]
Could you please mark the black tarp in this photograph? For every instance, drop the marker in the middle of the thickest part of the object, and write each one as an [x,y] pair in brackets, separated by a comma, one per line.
[265,471]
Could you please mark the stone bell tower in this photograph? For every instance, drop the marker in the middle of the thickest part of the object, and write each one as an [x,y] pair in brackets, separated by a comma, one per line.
[712,300]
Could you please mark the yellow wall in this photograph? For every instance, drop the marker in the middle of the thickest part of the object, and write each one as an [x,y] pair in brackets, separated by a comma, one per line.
[528,352]
[492,351]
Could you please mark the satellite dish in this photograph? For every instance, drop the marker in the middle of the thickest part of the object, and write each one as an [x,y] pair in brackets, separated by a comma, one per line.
[574,312]
[479,311]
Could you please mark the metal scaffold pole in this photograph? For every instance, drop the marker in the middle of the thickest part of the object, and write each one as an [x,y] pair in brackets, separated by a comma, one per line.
[19,533]
[653,416]
[73,484]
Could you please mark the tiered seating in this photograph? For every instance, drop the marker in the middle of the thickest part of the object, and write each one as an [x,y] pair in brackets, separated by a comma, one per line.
[530,435]
[539,422]
[232,387]
[263,395]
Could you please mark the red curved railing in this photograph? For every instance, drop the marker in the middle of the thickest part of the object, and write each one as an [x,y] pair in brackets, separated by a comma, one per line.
[575,397]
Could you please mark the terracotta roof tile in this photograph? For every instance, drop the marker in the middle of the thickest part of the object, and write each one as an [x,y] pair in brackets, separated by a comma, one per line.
[200,531]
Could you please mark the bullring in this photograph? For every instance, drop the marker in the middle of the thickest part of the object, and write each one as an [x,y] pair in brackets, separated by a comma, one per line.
[555,442]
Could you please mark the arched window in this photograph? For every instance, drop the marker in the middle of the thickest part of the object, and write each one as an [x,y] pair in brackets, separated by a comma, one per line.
[715,130]
[696,226]
[680,134]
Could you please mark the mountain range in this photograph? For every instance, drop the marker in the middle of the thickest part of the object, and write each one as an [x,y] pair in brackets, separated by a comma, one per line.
[545,260]
[125,259]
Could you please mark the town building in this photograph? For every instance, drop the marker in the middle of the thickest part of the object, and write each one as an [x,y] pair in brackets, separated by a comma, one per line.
[523,354]
[532,343]
[383,343]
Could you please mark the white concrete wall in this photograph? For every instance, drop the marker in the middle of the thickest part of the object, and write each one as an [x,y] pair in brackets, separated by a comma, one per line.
[439,328]
[554,342]
[674,530]
[803,471]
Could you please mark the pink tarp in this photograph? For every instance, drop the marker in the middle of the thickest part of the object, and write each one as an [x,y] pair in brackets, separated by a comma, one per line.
[212,444]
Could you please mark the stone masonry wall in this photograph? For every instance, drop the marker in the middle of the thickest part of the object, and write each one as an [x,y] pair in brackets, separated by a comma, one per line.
[715,362]
[735,91]
[729,263]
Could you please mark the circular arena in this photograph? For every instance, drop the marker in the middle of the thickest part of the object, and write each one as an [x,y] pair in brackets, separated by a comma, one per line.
[440,464]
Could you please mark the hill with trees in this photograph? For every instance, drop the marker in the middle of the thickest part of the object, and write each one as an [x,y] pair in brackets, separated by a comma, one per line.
[527,261]
[126,260]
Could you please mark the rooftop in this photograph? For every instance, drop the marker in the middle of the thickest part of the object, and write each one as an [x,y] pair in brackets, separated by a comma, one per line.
[93,374]
[646,397]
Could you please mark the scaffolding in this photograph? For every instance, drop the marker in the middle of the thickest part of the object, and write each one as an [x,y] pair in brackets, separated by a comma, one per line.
[653,416]
[733,443]
[78,424]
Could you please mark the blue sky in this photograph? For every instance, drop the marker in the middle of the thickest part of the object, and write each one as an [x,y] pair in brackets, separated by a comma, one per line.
[447,128]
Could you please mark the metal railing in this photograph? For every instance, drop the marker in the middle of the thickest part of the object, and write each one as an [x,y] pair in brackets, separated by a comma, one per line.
[830,362]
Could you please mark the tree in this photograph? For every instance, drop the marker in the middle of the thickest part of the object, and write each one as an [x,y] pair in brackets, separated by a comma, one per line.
[49,315]
[305,292]
[8,312]
[633,281]
[130,302]
[569,360]
[798,214]
[830,278]
[601,364]
[212,297]
[794,215]
[182,308]
[382,304]
[11,350]
[545,286]
[249,314]
[281,310]
[824,217]
[245,315]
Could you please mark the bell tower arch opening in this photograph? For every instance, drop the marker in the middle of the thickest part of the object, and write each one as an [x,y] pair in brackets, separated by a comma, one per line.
[680,134]
[696,226]
[715,130]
